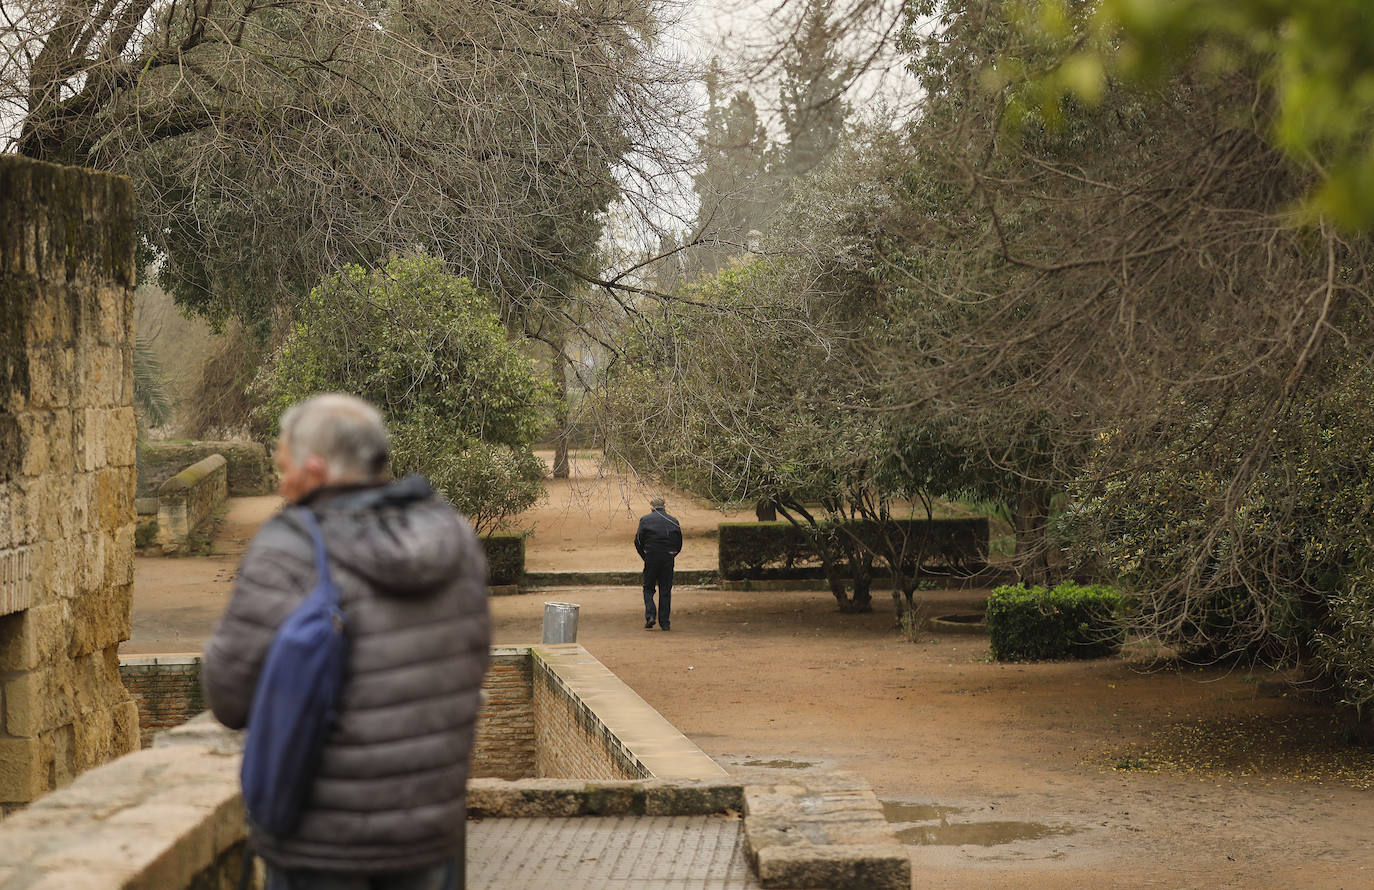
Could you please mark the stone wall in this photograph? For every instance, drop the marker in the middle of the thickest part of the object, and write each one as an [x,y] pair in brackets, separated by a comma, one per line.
[166,689]
[249,470]
[67,475]
[189,500]
[504,747]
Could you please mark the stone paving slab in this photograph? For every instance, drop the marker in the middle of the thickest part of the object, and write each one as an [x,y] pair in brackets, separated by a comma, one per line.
[614,853]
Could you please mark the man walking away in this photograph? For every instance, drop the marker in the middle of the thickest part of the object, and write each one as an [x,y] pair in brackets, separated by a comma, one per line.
[386,809]
[658,540]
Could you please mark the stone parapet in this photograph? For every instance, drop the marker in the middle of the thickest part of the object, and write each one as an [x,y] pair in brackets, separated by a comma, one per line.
[188,500]
[248,469]
[166,818]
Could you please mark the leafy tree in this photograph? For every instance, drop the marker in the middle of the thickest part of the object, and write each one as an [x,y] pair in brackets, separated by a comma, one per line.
[732,186]
[1315,59]
[816,76]
[1115,298]
[270,143]
[740,394]
[428,349]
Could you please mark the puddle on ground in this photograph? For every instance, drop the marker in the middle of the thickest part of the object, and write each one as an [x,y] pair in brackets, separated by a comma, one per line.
[916,812]
[982,834]
[778,764]
[955,834]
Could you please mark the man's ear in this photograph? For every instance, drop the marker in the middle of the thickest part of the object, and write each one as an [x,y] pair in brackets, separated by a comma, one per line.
[315,467]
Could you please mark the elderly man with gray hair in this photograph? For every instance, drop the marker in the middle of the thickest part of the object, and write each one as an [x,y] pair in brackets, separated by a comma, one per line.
[387,807]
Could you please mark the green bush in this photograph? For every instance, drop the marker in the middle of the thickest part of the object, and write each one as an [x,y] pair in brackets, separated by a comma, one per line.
[1037,624]
[459,396]
[764,550]
[758,550]
[505,558]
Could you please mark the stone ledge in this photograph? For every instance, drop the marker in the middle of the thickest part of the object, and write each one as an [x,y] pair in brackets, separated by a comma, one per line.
[559,798]
[188,500]
[833,867]
[157,819]
[189,477]
[823,831]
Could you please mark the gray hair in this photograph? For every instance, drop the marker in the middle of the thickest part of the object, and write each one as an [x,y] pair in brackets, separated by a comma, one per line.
[344,431]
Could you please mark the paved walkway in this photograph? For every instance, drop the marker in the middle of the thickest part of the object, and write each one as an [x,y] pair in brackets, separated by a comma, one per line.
[615,853]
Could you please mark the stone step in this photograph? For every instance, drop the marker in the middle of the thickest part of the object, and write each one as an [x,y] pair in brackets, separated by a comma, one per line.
[822,831]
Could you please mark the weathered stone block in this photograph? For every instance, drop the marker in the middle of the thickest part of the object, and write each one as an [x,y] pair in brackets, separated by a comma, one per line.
[104,735]
[121,437]
[32,637]
[23,769]
[849,867]
[115,499]
[249,468]
[35,433]
[28,704]
[694,799]
[92,439]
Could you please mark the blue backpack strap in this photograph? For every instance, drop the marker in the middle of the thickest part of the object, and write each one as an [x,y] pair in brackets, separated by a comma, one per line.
[324,579]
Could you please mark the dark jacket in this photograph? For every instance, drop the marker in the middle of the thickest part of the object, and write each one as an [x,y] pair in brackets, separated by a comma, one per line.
[390,791]
[659,535]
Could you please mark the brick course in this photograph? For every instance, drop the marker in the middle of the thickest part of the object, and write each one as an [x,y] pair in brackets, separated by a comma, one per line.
[504,748]
[166,690]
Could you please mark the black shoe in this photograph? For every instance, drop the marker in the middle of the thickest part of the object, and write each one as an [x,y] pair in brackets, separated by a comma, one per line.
[648,625]
[665,627]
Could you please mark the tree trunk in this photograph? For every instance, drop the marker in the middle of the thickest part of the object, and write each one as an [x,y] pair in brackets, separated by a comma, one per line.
[1029,524]
[766,510]
[560,410]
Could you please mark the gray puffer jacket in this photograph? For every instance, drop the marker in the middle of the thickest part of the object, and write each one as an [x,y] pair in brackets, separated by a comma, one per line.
[390,791]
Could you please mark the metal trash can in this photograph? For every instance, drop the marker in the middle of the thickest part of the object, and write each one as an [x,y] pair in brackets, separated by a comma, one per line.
[560,623]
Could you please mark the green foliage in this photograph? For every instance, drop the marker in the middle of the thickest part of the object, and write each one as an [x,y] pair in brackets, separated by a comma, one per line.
[1317,58]
[1069,620]
[150,386]
[145,533]
[763,550]
[1252,570]
[461,400]
[505,558]
[784,550]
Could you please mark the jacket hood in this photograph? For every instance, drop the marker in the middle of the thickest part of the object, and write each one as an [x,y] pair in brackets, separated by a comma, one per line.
[400,536]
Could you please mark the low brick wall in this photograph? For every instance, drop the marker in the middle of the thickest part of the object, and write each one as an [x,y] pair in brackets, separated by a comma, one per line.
[249,468]
[504,748]
[590,725]
[166,689]
[549,711]
[188,500]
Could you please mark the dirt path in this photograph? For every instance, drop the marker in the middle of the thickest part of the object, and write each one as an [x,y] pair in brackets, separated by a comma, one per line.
[1000,775]
[587,523]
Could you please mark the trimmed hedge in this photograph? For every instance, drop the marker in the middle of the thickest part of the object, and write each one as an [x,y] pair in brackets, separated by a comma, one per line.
[1068,621]
[763,550]
[505,558]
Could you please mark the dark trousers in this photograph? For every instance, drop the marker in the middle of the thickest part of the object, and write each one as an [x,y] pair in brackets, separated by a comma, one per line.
[658,573]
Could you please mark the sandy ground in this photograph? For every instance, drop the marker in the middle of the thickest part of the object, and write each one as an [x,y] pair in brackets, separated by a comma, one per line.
[587,523]
[1000,776]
